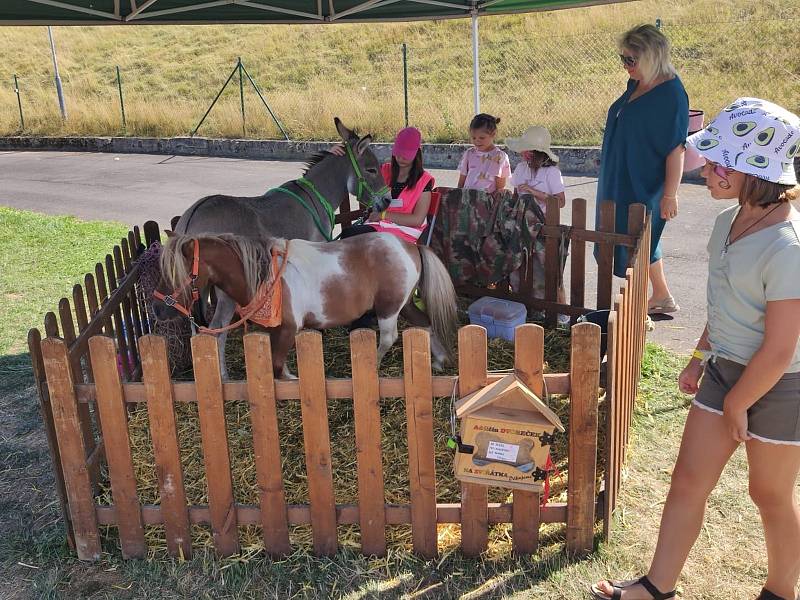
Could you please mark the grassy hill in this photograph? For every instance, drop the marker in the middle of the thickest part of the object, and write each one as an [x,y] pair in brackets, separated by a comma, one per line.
[559,69]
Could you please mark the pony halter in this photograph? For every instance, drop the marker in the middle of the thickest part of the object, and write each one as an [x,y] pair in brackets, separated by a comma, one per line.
[362,181]
[169,299]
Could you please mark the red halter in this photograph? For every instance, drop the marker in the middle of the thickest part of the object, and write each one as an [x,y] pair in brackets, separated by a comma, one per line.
[169,299]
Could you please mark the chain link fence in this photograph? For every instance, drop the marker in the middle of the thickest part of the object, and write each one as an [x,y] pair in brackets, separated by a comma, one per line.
[565,81]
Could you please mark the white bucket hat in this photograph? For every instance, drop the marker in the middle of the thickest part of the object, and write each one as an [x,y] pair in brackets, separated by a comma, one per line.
[534,138]
[755,137]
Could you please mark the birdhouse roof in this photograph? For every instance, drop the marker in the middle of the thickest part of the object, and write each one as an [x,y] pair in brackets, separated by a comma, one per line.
[508,391]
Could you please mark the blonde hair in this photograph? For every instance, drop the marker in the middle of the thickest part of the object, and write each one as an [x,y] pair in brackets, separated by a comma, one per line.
[651,48]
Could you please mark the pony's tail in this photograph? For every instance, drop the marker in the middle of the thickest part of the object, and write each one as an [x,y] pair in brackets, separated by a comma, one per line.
[439,296]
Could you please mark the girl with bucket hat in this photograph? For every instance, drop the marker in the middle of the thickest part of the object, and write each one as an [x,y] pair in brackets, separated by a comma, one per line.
[538,175]
[745,371]
[643,146]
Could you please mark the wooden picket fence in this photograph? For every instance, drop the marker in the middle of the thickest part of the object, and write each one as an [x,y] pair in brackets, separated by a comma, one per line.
[626,339]
[104,357]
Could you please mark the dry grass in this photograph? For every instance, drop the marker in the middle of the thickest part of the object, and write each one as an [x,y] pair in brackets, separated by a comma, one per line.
[559,69]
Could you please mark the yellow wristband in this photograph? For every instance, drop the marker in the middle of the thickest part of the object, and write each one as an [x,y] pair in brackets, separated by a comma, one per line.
[699,355]
[383,215]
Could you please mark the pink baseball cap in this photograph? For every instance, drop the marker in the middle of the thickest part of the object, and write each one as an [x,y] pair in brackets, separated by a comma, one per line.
[407,143]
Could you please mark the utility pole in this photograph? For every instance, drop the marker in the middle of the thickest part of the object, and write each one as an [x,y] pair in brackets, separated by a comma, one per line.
[476,78]
[59,90]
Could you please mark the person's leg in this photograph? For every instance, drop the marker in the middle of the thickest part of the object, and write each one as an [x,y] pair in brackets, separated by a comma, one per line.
[706,447]
[773,475]
[354,230]
[659,281]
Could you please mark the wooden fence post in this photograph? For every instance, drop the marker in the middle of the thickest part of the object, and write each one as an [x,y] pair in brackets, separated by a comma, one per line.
[37,362]
[266,443]
[605,256]
[584,384]
[472,376]
[577,287]
[114,421]
[68,329]
[208,383]
[152,233]
[418,386]
[552,264]
[78,484]
[166,450]
[367,412]
[529,368]
[316,436]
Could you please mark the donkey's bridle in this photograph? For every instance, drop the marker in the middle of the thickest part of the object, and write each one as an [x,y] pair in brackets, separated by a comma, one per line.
[191,280]
[362,181]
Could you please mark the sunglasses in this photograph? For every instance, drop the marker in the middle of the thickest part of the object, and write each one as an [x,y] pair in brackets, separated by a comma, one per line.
[629,61]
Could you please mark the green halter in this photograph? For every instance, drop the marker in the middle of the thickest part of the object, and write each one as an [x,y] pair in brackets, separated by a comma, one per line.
[308,185]
[362,182]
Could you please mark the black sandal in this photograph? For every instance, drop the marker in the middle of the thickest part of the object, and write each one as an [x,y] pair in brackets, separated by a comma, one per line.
[651,589]
[767,595]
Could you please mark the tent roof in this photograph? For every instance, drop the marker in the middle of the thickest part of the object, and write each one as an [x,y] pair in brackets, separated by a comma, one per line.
[144,12]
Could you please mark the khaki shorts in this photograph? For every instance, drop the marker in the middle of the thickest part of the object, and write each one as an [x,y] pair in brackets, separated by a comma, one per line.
[774,418]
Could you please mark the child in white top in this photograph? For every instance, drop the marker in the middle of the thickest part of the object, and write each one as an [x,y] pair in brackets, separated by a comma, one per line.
[537,173]
[484,166]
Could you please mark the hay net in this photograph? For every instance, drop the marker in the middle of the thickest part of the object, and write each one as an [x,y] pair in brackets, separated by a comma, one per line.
[176,331]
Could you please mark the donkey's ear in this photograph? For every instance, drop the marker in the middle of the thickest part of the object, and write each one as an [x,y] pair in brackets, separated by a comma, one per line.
[344,132]
[362,144]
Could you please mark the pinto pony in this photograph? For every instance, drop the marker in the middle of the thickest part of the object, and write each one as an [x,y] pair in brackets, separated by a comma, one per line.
[322,285]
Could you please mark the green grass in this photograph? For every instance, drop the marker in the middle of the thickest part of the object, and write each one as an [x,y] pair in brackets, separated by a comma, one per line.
[35,563]
[559,69]
[41,258]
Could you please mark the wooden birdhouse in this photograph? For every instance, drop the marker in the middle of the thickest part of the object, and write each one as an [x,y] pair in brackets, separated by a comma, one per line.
[506,433]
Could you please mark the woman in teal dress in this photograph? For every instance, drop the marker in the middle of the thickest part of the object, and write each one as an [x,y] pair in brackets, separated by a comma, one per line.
[643,145]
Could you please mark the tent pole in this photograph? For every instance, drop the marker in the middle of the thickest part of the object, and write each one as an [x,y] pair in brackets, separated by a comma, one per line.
[476,82]
[59,90]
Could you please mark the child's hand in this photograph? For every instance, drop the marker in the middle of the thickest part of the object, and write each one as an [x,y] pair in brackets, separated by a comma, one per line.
[374,217]
[689,379]
[337,149]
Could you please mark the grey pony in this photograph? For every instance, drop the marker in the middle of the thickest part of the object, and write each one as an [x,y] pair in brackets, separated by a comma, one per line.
[278,214]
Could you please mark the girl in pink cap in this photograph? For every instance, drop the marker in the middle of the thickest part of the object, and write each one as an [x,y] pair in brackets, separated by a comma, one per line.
[411,185]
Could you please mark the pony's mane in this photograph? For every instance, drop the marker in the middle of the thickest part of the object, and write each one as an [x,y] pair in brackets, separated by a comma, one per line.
[254,254]
[315,160]
[320,156]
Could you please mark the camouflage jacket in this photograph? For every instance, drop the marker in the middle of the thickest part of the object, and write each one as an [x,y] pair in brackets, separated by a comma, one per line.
[483,238]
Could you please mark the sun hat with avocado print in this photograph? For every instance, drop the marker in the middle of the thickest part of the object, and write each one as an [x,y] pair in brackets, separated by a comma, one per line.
[752,136]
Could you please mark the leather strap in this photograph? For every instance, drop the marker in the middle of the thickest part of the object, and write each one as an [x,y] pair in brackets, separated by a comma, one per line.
[654,591]
[767,595]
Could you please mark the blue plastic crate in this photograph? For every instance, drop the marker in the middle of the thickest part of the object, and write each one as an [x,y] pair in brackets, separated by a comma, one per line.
[499,317]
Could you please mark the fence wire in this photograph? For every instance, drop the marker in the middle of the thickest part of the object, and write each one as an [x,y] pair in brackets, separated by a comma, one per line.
[565,82]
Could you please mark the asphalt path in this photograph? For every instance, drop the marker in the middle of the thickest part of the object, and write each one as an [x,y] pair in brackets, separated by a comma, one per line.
[133,188]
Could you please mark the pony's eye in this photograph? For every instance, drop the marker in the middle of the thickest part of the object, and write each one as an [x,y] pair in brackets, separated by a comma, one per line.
[372,171]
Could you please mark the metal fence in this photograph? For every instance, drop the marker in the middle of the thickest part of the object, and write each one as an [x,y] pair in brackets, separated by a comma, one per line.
[565,82]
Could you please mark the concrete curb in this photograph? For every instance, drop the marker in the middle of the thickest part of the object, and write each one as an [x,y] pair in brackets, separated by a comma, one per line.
[575,160]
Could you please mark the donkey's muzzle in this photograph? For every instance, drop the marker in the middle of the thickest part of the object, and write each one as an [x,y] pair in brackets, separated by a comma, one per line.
[380,203]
